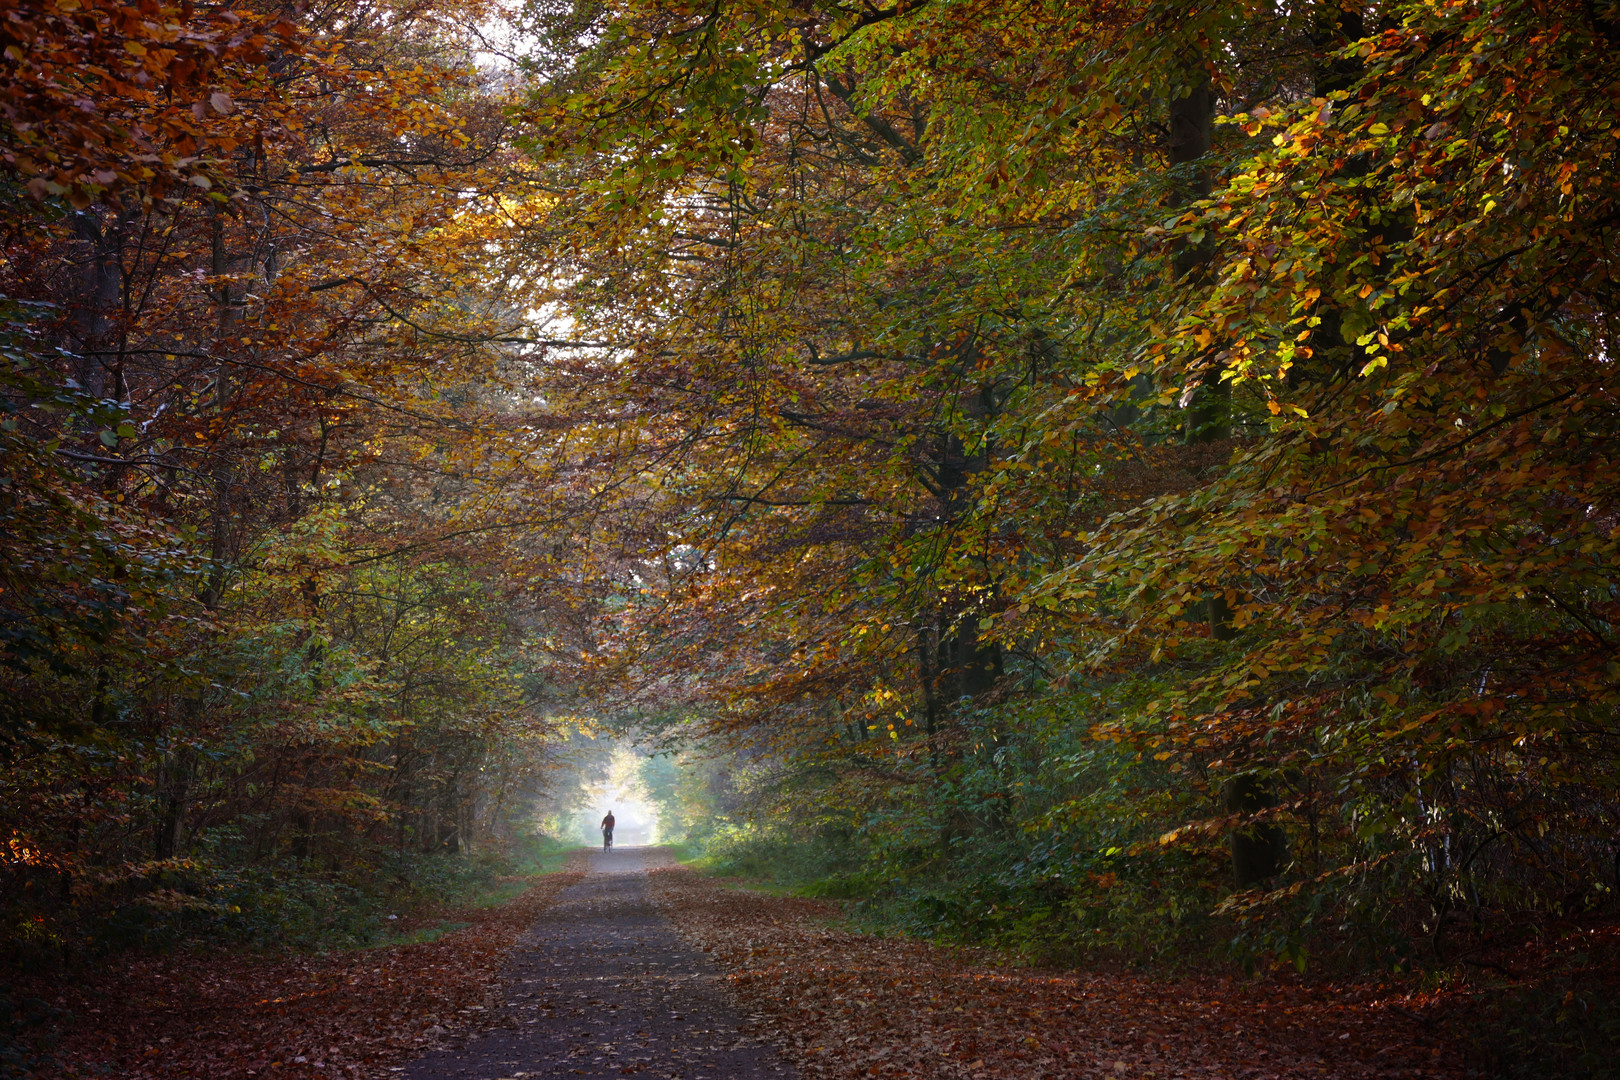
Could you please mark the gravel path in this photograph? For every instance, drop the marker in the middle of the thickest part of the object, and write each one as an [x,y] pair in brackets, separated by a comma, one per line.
[602,986]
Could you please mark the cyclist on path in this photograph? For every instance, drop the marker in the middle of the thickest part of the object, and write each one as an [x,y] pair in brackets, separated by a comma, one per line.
[607,832]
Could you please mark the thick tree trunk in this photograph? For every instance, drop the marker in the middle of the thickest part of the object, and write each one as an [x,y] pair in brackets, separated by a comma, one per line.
[180,767]
[1338,24]
[1192,118]
[220,474]
[174,793]
[973,667]
[928,675]
[101,296]
[1258,851]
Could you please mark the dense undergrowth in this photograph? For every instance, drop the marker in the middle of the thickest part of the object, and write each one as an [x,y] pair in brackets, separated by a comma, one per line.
[1542,1003]
[1042,839]
[290,904]
[1530,1003]
[1042,830]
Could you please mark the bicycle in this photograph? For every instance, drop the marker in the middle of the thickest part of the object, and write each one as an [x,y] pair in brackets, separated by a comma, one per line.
[607,840]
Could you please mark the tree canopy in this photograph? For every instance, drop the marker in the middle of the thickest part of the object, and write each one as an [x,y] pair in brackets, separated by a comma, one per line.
[1143,467]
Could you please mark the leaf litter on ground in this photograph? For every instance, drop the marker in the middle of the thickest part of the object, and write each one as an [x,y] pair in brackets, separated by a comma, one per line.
[841,1005]
[354,1015]
[845,1005]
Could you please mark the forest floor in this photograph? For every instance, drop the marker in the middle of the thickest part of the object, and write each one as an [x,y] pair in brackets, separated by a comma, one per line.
[847,1005]
[627,964]
[350,1014]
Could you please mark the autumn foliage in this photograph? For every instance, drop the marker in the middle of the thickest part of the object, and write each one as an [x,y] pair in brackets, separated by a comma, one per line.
[1138,474]
[1100,477]
[256,356]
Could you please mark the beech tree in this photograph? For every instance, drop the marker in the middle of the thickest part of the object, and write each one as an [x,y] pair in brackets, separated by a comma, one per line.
[260,358]
[1163,449]
[1213,362]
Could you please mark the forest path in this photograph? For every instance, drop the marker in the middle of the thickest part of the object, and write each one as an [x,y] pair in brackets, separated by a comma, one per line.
[602,986]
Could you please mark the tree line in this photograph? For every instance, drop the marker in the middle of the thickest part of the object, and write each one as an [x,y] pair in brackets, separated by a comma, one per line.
[1103,475]
[1138,474]
[264,400]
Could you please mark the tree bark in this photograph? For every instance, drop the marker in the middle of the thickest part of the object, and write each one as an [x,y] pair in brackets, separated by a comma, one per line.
[1258,851]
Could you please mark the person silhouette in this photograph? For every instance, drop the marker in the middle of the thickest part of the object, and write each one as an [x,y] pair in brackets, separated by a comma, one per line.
[607,832]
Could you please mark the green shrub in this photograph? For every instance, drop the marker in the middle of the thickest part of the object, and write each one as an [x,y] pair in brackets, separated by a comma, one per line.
[290,904]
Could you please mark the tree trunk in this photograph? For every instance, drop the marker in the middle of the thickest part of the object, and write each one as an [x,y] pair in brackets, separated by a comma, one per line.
[1258,851]
[1192,118]
[174,792]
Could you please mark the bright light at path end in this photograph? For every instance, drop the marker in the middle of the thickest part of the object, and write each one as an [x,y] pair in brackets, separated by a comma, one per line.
[635,822]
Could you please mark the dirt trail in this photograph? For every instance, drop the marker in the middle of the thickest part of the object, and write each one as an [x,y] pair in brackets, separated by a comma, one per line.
[602,986]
